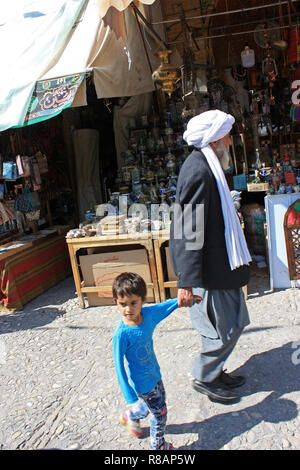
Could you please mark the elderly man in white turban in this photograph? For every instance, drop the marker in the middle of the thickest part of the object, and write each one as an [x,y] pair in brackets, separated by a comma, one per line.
[216,265]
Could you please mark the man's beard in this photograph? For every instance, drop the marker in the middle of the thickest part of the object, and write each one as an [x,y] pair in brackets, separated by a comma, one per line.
[223,154]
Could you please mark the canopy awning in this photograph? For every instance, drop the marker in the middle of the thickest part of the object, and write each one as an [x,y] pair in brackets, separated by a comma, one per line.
[120,5]
[47,55]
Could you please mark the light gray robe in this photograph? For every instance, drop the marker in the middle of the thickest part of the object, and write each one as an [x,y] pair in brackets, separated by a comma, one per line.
[220,319]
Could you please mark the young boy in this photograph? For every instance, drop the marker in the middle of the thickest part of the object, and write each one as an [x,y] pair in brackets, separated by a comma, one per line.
[132,339]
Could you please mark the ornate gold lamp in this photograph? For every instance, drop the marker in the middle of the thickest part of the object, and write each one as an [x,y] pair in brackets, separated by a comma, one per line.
[166,75]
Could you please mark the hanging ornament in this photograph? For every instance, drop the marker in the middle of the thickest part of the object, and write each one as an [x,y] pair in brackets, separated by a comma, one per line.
[269,68]
[166,75]
[247,57]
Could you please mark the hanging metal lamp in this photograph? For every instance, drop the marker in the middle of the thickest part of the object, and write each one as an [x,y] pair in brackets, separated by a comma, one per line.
[166,75]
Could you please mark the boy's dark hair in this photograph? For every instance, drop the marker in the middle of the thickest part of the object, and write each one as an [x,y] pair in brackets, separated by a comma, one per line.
[128,284]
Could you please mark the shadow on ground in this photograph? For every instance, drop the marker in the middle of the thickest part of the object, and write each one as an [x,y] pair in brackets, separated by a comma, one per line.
[41,311]
[273,371]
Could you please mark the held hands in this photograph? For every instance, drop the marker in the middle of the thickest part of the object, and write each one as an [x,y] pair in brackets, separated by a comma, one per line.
[186,297]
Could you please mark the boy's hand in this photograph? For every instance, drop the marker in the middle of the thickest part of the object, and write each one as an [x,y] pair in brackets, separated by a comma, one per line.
[186,297]
[197,299]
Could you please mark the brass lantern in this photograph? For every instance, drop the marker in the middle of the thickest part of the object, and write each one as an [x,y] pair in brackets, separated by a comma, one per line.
[166,75]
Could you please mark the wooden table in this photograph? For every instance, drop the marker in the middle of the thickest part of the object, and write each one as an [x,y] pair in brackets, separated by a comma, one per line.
[75,244]
[152,241]
[30,269]
[159,238]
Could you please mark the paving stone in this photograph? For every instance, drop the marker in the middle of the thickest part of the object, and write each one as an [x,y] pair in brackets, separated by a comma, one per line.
[59,388]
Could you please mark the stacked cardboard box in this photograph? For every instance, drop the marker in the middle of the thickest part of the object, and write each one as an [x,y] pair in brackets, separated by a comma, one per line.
[102,268]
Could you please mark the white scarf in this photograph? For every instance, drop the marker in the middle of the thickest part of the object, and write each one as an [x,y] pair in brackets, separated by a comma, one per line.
[201,131]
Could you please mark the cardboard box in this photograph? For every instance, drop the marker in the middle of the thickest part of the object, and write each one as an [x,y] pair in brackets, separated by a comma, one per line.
[171,275]
[257,187]
[102,268]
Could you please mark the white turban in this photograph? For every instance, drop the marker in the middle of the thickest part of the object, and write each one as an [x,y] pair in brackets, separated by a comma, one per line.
[208,127]
[201,131]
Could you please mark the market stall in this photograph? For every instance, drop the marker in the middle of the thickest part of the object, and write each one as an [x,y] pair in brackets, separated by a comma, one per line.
[36,211]
[31,265]
[113,176]
[254,81]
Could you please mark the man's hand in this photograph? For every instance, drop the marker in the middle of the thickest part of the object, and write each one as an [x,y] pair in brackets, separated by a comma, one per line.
[186,297]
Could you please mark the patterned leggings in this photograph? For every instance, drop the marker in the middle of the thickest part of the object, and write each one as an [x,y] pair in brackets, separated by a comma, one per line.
[153,402]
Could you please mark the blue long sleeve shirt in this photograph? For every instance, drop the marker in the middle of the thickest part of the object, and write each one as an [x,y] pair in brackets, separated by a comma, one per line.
[136,345]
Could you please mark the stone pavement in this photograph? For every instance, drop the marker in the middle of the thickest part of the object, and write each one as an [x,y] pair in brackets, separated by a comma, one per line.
[58,388]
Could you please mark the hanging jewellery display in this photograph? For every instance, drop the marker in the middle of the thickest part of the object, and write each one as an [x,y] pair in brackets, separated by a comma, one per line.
[269,68]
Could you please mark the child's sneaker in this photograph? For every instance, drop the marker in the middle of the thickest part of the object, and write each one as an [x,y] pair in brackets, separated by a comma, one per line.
[166,446]
[133,426]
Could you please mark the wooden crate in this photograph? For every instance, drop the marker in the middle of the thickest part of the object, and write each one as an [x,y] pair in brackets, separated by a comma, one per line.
[252,187]
[102,242]
[160,240]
